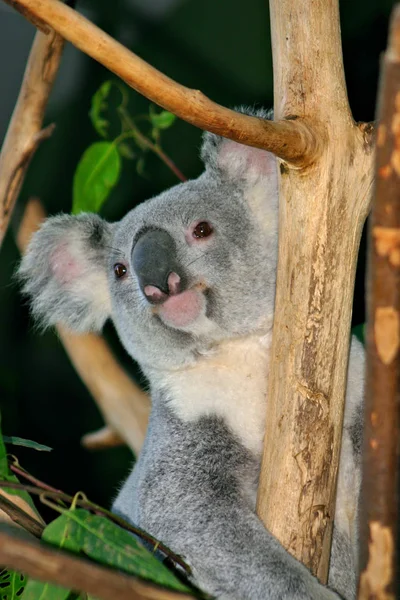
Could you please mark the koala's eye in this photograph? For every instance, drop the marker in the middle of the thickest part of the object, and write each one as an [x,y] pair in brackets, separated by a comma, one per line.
[202,230]
[119,270]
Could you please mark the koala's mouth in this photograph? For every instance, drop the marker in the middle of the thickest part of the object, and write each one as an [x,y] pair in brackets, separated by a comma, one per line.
[181,309]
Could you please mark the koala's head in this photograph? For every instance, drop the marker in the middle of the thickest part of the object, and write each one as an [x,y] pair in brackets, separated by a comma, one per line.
[182,271]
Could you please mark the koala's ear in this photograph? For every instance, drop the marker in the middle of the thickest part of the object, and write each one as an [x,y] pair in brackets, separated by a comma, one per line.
[237,162]
[64,272]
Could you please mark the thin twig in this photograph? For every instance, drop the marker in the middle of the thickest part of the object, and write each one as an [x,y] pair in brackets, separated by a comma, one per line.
[145,142]
[293,141]
[22,473]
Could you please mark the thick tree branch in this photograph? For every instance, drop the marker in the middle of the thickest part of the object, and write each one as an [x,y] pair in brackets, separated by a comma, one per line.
[380,498]
[20,552]
[124,406]
[25,130]
[292,141]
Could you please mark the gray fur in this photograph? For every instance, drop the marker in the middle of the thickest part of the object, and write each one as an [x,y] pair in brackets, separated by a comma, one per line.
[194,485]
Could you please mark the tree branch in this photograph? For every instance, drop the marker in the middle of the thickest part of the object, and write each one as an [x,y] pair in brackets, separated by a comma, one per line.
[124,406]
[40,561]
[380,494]
[293,141]
[25,130]
[20,517]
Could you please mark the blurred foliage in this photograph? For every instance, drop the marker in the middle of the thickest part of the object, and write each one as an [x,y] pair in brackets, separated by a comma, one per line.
[91,531]
[222,48]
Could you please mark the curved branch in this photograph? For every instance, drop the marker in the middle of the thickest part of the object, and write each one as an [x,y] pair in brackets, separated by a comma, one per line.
[25,130]
[292,141]
[124,406]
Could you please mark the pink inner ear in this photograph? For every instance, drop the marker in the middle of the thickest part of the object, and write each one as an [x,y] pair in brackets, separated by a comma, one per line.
[64,266]
[239,158]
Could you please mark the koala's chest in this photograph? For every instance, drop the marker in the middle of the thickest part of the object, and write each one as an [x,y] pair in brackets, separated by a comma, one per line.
[230,383]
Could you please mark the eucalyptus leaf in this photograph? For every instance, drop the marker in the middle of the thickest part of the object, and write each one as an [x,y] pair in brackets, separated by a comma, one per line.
[39,590]
[59,533]
[11,584]
[162,120]
[17,441]
[99,105]
[103,541]
[97,173]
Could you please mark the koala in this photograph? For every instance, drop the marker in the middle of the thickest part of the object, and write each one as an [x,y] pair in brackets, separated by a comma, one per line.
[188,279]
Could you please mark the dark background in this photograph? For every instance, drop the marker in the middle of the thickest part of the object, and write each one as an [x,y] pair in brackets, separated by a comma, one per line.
[221,47]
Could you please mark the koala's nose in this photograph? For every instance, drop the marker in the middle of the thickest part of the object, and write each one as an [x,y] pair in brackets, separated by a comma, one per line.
[155,264]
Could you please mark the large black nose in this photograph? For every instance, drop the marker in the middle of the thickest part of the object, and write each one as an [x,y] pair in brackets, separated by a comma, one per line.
[154,260]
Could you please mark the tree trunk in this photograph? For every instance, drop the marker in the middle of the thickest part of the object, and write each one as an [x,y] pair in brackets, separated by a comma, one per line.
[382,424]
[322,210]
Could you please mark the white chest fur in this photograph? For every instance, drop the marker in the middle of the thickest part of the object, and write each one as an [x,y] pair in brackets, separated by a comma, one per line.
[230,382]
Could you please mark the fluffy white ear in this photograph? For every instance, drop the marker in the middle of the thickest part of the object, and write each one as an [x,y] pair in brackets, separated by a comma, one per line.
[65,272]
[237,162]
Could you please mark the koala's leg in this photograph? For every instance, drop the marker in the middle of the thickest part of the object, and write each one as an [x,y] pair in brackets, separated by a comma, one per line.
[345,535]
[190,489]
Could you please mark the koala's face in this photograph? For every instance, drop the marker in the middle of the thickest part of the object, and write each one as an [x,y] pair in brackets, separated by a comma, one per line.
[179,273]
[188,268]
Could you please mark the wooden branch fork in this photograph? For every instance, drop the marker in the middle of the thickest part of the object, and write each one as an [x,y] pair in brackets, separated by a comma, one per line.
[291,141]
[326,174]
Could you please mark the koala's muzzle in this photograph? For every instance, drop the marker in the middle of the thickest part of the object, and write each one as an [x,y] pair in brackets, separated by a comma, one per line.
[155,264]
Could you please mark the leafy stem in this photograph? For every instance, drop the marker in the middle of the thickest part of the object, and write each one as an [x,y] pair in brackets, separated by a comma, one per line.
[144,142]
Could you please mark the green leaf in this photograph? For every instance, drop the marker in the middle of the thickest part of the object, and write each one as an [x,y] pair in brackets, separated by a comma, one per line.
[97,173]
[162,120]
[11,584]
[59,533]
[17,441]
[99,105]
[105,542]
[37,590]
[6,475]
[108,544]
